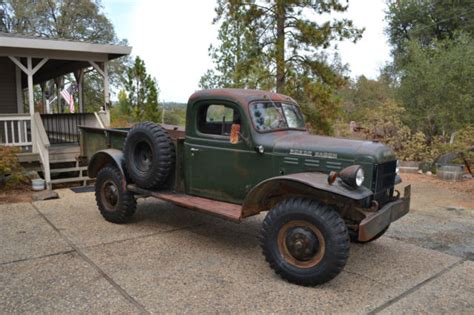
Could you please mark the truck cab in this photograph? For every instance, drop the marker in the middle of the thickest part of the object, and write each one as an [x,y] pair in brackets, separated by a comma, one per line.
[272,141]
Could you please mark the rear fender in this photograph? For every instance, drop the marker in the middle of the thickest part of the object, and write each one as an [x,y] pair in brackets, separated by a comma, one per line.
[312,184]
[103,158]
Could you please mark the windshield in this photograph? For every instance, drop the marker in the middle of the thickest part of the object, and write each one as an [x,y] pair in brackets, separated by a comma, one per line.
[275,115]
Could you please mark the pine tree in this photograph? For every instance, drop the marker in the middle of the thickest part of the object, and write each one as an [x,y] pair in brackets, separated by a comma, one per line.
[142,93]
[280,45]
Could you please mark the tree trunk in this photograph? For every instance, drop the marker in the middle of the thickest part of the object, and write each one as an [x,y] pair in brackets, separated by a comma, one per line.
[280,46]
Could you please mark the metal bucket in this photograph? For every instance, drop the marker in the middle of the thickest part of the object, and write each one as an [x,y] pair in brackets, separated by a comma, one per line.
[37,184]
[450,172]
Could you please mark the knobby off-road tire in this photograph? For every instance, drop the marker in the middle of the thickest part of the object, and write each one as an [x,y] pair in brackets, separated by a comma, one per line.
[149,155]
[354,235]
[115,203]
[305,241]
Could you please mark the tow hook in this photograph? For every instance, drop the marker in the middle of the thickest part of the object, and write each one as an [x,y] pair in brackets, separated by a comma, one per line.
[375,206]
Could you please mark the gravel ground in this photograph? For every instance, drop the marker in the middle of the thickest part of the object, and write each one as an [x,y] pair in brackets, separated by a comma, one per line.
[59,256]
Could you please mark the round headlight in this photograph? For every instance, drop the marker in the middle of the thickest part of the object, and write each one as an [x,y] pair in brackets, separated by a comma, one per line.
[360,177]
[352,175]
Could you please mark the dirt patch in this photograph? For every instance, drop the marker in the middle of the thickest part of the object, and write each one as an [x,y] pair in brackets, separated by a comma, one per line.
[430,193]
[466,185]
[22,194]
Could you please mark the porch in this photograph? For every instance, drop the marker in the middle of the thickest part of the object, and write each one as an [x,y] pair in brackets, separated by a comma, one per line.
[32,72]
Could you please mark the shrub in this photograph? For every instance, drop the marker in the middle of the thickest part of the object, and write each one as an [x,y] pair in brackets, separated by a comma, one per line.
[11,175]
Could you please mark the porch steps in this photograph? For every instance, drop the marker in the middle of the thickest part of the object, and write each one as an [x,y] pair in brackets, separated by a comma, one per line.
[64,165]
[74,172]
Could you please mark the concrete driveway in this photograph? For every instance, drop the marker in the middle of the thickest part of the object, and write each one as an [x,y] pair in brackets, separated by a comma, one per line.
[60,256]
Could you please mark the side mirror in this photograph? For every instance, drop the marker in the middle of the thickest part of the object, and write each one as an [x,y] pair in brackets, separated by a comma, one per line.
[234,133]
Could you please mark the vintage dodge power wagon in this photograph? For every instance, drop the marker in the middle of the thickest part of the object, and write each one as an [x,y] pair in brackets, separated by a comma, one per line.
[247,151]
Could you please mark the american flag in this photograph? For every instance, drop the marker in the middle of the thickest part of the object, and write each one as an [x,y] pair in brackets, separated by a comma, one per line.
[69,99]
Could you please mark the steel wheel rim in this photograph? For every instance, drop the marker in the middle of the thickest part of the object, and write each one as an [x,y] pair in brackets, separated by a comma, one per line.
[109,195]
[296,253]
[143,156]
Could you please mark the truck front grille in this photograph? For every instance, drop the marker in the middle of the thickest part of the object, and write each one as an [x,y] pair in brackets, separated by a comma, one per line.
[383,181]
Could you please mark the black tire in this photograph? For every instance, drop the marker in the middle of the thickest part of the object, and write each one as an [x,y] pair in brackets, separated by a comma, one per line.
[320,229]
[354,235]
[149,155]
[115,203]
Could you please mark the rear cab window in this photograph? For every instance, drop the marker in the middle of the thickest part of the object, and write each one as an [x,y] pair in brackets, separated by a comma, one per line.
[217,119]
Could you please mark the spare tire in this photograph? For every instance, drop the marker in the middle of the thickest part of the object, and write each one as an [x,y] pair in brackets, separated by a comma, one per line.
[149,155]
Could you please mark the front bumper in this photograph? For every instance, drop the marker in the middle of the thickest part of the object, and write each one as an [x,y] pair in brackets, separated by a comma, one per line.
[375,222]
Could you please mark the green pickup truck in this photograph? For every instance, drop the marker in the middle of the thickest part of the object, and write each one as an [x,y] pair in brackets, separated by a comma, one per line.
[248,151]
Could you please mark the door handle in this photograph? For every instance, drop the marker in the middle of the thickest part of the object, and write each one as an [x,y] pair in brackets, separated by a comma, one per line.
[194,150]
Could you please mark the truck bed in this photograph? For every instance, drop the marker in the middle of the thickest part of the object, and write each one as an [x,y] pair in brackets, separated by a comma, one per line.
[93,139]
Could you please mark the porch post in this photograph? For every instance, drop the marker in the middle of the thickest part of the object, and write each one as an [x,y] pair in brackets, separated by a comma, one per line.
[59,87]
[31,102]
[19,91]
[104,72]
[106,86]
[79,76]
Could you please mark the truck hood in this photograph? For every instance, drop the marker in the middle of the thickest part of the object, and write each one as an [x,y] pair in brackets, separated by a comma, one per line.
[303,144]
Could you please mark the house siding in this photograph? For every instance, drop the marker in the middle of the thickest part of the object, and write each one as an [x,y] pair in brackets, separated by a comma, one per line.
[8,103]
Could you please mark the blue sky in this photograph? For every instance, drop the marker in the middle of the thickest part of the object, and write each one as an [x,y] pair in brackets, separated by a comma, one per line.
[173,37]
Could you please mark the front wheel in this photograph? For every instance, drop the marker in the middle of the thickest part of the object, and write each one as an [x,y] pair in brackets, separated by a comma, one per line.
[115,203]
[305,241]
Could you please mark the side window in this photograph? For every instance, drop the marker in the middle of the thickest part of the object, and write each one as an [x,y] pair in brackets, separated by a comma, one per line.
[217,119]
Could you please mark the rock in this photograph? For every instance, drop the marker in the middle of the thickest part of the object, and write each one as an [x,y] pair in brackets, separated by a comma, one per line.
[32,175]
[45,195]
[429,173]
[420,172]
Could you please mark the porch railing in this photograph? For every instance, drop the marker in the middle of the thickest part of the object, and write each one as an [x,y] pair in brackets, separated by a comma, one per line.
[42,147]
[15,130]
[63,128]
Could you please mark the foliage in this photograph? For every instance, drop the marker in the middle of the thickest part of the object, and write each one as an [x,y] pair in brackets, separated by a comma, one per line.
[175,116]
[426,22]
[142,93]
[139,100]
[437,87]
[359,98]
[68,19]
[433,61]
[371,104]
[280,45]
[120,114]
[11,174]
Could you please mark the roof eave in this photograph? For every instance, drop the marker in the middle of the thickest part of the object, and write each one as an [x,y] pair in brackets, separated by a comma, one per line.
[112,51]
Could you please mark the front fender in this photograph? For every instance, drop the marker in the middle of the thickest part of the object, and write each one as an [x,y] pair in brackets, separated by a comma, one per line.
[104,157]
[313,184]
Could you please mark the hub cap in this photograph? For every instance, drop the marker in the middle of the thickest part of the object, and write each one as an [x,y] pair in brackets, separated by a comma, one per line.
[301,244]
[109,195]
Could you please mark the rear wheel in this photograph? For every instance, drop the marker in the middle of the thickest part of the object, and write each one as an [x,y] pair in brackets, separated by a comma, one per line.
[305,241]
[115,203]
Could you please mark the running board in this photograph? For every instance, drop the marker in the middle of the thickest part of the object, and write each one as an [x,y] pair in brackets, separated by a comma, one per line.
[221,209]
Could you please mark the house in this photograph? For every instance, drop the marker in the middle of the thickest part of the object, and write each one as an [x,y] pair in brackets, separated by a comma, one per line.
[49,135]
